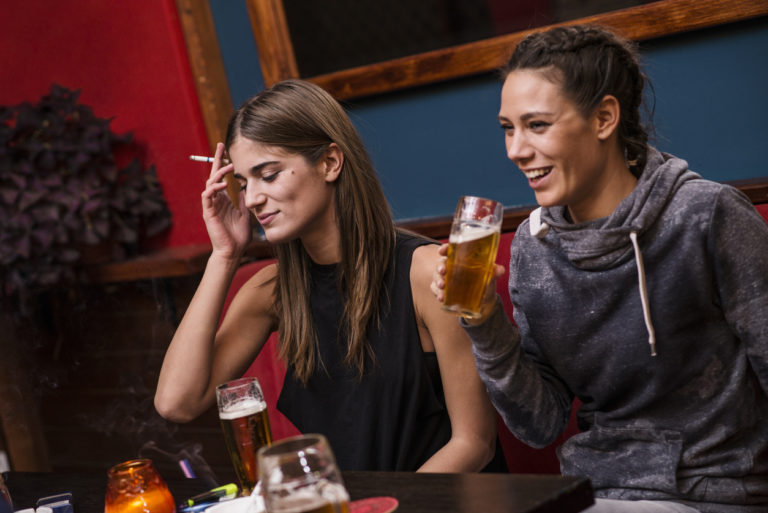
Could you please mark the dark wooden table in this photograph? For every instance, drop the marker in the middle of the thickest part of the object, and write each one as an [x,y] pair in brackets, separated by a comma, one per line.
[416,493]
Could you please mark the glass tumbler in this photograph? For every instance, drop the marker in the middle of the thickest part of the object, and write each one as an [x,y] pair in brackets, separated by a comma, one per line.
[300,475]
[135,486]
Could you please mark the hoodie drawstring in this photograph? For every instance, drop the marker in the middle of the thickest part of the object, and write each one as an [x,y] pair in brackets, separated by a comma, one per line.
[537,227]
[643,292]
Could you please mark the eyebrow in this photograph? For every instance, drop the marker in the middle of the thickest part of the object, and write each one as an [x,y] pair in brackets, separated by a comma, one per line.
[256,170]
[527,115]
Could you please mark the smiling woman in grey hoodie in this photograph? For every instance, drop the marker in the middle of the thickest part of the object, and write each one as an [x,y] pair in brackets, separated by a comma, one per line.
[638,287]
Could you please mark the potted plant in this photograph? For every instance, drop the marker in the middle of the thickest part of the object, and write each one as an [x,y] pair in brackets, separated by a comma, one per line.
[62,193]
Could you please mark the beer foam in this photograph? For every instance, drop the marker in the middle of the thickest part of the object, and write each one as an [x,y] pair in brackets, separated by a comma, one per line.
[469,233]
[242,408]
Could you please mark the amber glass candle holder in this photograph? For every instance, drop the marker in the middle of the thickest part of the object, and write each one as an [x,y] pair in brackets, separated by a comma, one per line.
[135,486]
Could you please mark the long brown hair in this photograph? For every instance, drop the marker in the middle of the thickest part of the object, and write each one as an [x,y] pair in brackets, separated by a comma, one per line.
[303,119]
[590,62]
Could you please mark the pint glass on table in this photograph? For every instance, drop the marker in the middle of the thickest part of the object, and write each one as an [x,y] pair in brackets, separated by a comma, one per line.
[245,423]
[300,475]
[472,248]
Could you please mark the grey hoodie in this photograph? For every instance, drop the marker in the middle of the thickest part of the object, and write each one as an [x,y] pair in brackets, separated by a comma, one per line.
[688,424]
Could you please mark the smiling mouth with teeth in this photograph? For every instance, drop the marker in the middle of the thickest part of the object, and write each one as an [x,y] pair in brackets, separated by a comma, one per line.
[533,174]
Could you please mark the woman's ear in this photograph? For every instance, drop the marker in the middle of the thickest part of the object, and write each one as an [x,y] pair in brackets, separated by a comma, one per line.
[607,116]
[332,162]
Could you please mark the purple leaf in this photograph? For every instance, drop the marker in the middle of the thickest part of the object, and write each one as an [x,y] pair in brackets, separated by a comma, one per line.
[8,195]
[43,237]
[30,197]
[22,247]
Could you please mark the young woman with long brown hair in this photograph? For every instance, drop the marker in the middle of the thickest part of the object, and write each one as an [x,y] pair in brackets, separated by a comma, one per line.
[373,361]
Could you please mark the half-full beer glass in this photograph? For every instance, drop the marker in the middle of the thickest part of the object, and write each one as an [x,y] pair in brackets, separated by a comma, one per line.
[472,248]
[245,423]
[300,475]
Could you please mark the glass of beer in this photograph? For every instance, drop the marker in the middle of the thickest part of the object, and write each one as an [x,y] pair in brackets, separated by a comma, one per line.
[472,247]
[300,475]
[135,486]
[245,423]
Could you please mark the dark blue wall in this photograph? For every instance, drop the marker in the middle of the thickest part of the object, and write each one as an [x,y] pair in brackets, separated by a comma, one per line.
[432,144]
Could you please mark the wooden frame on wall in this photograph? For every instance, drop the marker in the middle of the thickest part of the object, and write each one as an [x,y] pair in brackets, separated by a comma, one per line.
[270,28]
[646,21]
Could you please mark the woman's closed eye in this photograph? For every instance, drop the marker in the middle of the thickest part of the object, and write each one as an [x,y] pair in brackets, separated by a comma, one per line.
[264,176]
[269,176]
[538,125]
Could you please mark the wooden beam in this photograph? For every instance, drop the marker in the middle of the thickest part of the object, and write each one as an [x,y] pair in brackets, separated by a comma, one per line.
[642,22]
[273,40]
[207,67]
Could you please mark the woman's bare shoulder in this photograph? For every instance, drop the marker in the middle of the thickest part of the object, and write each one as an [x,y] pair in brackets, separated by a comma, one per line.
[423,263]
[258,292]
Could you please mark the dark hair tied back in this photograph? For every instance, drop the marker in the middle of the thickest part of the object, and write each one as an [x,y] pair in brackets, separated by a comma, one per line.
[590,63]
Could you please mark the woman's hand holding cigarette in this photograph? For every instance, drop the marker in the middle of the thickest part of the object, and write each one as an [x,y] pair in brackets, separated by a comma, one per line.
[228,222]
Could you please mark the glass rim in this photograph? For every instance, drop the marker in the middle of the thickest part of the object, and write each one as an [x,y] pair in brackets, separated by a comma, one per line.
[481,198]
[468,203]
[130,465]
[476,209]
[239,382]
[293,444]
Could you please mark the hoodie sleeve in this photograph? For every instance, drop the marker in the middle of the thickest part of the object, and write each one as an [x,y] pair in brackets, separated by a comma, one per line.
[534,404]
[739,242]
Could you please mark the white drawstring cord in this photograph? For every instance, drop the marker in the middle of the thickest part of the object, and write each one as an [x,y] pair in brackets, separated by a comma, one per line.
[643,292]
[538,227]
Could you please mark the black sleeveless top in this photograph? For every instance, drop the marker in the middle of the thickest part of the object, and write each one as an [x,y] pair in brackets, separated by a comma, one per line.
[395,417]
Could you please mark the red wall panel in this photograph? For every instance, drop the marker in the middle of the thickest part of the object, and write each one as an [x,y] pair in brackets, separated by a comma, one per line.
[129,61]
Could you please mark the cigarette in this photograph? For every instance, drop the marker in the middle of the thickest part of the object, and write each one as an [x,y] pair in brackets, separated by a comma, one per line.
[203,158]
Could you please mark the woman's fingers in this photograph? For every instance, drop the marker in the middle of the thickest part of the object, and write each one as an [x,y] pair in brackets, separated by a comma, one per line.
[218,174]
[217,182]
[210,194]
[438,277]
[217,157]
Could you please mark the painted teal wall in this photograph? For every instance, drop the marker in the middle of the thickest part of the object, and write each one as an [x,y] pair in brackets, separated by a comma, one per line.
[432,144]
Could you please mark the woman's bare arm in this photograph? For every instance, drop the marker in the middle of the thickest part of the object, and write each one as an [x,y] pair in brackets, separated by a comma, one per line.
[199,356]
[473,419]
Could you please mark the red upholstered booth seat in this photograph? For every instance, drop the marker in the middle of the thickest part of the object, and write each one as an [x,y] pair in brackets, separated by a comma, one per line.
[763,209]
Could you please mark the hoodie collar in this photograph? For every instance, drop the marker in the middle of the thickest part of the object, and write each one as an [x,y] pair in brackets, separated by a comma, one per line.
[604,243]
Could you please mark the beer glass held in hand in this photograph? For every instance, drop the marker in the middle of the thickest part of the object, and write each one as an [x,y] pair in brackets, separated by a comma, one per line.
[472,247]
[245,423]
[300,475]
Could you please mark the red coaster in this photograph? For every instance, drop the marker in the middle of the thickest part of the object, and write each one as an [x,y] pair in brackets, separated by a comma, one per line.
[374,505]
